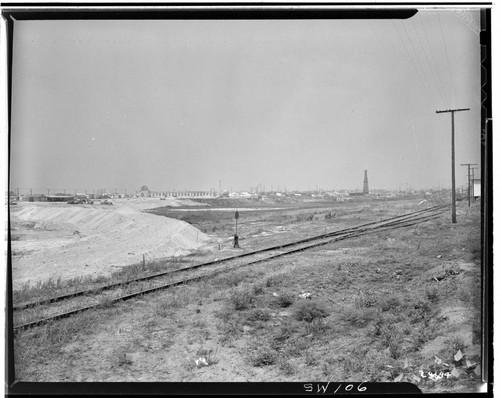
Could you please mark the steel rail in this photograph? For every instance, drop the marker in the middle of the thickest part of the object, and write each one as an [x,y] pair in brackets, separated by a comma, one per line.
[171,272]
[387,226]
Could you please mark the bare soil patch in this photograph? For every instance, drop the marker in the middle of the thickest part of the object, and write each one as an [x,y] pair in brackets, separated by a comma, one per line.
[63,241]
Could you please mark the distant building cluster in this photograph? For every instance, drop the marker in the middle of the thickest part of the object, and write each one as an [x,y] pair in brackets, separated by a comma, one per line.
[178,194]
[319,194]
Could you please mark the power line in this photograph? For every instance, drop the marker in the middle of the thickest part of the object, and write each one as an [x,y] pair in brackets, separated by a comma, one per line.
[434,63]
[432,92]
[436,80]
[413,64]
[447,59]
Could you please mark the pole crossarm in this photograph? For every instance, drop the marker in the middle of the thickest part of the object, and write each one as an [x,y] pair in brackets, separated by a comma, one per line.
[454,110]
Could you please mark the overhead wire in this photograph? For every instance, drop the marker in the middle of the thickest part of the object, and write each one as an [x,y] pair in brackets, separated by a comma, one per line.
[447,58]
[430,87]
[430,69]
[417,70]
[435,63]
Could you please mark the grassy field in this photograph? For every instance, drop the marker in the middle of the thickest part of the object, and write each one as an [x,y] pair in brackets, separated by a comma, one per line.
[401,305]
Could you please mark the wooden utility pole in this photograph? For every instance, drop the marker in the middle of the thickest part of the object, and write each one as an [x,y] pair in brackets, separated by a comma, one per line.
[468,176]
[453,200]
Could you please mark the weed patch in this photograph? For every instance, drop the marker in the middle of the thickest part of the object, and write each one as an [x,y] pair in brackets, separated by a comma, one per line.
[257,289]
[286,367]
[359,318]
[263,356]
[285,299]
[364,299]
[230,279]
[258,314]
[432,294]
[308,310]
[316,328]
[390,303]
[284,333]
[272,281]
[242,299]
[106,302]
[123,359]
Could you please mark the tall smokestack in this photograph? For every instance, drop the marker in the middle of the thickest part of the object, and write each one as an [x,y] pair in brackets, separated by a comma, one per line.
[365,184]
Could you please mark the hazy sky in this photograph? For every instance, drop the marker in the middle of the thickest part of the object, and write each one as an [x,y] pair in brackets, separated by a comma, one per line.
[183,104]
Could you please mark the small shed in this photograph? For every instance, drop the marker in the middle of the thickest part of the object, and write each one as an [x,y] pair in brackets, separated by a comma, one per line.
[476,187]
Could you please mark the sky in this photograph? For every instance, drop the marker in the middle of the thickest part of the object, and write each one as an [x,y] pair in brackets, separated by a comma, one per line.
[198,104]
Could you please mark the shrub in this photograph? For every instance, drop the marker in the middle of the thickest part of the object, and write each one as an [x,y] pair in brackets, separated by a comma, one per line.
[241,299]
[364,300]
[106,302]
[230,279]
[258,314]
[358,317]
[285,299]
[308,310]
[257,289]
[310,359]
[286,367]
[454,344]
[470,292]
[390,303]
[229,331]
[263,356]
[272,281]
[316,327]
[432,294]
[284,333]
[391,339]
[123,359]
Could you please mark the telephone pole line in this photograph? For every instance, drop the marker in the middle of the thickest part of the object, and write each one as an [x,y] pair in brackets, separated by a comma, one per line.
[453,201]
[468,176]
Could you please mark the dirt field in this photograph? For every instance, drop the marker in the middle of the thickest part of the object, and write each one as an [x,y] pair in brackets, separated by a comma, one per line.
[399,305]
[59,240]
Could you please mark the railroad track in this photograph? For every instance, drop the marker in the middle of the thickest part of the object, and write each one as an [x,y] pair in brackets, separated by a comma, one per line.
[35,313]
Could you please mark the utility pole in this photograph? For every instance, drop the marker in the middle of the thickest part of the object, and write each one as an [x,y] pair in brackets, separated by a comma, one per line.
[468,176]
[453,201]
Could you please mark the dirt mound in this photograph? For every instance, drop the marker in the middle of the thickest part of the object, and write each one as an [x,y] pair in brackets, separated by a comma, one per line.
[83,218]
[53,240]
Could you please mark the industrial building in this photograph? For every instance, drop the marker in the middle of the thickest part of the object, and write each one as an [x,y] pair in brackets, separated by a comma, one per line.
[183,194]
[58,197]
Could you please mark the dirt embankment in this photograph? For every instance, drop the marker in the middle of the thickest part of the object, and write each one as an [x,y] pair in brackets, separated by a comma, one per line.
[58,240]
